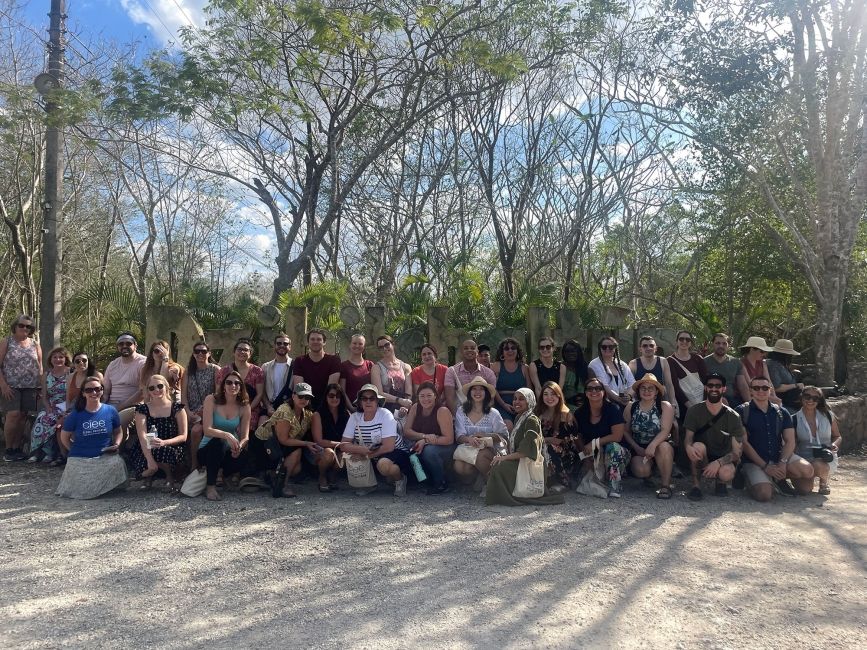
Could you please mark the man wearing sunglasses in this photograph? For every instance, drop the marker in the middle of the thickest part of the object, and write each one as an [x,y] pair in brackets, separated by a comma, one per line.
[278,375]
[769,447]
[123,377]
[651,363]
[714,435]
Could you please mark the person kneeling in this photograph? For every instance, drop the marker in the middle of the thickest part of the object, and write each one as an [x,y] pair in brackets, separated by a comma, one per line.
[286,434]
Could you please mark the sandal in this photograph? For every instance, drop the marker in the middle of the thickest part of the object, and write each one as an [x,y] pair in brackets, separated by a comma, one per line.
[664,492]
[325,488]
[824,488]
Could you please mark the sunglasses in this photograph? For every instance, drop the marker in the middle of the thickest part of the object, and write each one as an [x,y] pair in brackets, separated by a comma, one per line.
[333,396]
[25,325]
[384,346]
[92,390]
[307,397]
[688,339]
[545,347]
[368,398]
[607,347]
[593,389]
[244,350]
[80,360]
[509,348]
[809,398]
[760,388]
[201,351]
[231,382]
[714,386]
[156,387]
[282,344]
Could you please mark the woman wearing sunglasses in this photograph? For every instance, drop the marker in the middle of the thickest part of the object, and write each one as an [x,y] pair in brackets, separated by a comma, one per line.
[43,441]
[198,382]
[168,417]
[226,428]
[82,368]
[614,374]
[20,376]
[159,362]
[512,373]
[600,419]
[818,437]
[92,434]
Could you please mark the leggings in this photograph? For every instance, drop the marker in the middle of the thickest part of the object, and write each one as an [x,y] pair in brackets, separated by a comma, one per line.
[217,455]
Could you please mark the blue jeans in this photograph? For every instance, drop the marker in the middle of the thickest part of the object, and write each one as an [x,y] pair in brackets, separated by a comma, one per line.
[435,458]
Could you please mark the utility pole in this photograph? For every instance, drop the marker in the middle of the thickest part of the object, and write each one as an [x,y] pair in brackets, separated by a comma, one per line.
[49,294]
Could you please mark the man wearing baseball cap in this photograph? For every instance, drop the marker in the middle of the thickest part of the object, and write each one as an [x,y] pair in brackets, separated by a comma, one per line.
[123,376]
[714,433]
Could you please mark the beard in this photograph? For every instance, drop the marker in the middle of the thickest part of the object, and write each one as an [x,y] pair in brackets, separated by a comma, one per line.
[714,398]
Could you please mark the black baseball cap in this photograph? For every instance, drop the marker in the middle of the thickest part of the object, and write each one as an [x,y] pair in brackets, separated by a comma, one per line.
[715,375]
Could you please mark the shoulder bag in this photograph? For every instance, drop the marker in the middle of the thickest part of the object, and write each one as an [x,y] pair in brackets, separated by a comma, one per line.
[690,384]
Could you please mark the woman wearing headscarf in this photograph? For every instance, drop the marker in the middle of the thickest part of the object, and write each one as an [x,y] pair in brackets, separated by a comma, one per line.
[525,441]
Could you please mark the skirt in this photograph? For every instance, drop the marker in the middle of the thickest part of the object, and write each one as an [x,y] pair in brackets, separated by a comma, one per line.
[88,478]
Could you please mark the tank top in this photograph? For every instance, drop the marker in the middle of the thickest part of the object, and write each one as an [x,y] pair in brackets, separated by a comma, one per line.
[510,381]
[656,370]
[645,425]
[427,424]
[20,365]
[393,382]
[547,374]
[223,424]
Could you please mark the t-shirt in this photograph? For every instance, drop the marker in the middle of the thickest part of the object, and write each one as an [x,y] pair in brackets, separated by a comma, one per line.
[765,429]
[316,373]
[371,433]
[355,376]
[729,368]
[124,377]
[718,437]
[280,370]
[611,416]
[92,431]
[419,376]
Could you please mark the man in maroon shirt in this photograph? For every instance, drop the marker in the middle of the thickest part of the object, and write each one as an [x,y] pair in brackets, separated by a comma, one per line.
[316,367]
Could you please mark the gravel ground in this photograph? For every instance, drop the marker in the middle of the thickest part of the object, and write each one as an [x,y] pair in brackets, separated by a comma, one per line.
[139,569]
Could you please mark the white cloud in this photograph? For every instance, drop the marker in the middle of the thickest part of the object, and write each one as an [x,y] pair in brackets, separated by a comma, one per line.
[166,17]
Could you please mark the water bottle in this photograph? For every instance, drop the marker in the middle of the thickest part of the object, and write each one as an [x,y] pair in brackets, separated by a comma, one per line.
[151,435]
[417,468]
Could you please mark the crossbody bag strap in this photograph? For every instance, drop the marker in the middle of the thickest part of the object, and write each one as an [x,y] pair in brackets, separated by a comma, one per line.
[707,425]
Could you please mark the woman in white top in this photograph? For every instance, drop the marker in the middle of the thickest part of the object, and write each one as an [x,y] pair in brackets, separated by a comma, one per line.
[479,427]
[818,437]
[616,377]
[372,433]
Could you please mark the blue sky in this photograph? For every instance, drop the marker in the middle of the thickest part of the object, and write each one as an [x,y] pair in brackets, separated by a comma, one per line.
[150,22]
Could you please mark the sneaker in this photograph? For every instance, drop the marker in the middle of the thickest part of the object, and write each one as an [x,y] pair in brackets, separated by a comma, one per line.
[14,455]
[436,491]
[824,488]
[784,487]
[400,487]
[614,493]
[695,494]
[721,490]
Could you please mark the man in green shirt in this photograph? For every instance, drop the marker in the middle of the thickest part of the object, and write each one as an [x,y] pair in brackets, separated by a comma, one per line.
[713,438]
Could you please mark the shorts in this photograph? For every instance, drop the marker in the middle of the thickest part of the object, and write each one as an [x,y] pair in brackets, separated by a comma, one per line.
[755,475]
[25,400]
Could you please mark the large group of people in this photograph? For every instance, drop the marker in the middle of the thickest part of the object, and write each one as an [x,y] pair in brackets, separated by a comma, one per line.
[518,430]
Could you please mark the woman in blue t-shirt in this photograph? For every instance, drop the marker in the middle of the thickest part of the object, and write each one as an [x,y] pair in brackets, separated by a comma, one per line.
[600,419]
[92,434]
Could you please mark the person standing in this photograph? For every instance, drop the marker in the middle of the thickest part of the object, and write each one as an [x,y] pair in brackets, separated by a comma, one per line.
[20,378]
[687,371]
[546,368]
[615,375]
[721,363]
[123,377]
[355,371]
[391,376]
[278,378]
[430,370]
[199,381]
[316,368]
[512,373]
[651,363]
[463,373]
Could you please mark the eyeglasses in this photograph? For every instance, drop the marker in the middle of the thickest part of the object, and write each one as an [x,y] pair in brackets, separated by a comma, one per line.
[607,347]
[714,386]
[333,395]
[156,387]
[545,347]
[688,339]
[809,398]
[80,360]
[593,389]
[760,388]
[368,398]
[244,350]
[201,351]
[92,390]
[384,346]
[24,325]
[231,382]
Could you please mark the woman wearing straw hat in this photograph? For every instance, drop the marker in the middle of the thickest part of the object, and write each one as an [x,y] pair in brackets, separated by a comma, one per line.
[648,432]
[372,433]
[786,385]
[753,354]
[479,427]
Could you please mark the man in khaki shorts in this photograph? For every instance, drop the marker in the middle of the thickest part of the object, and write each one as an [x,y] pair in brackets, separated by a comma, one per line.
[769,446]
